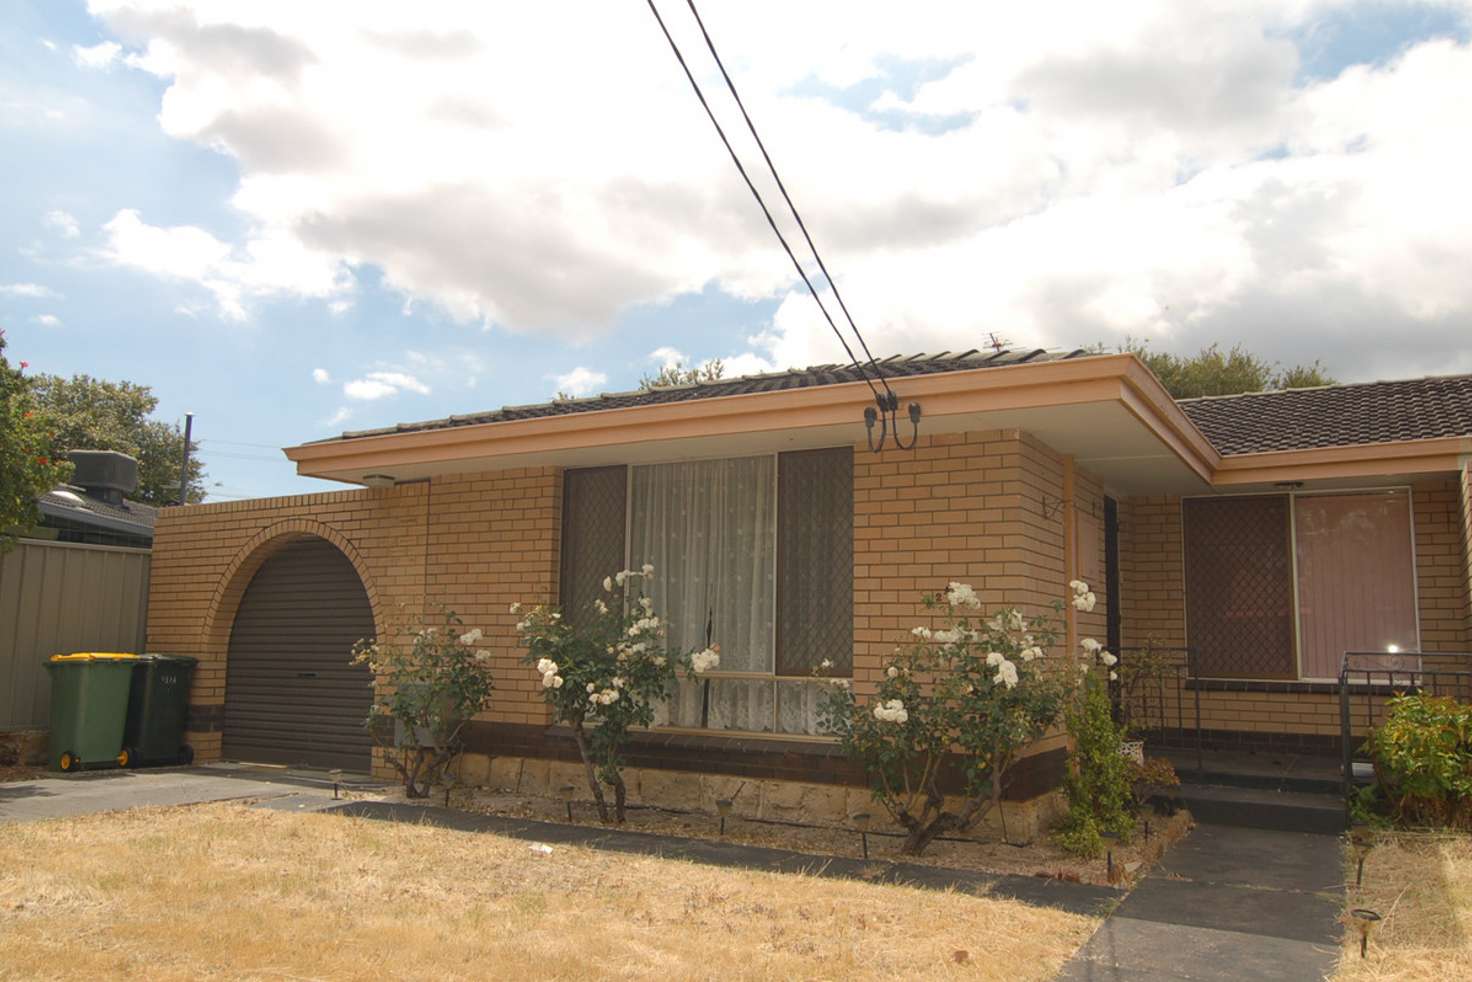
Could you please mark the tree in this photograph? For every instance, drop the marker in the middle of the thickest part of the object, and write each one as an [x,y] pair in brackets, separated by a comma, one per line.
[1210,372]
[31,460]
[676,373]
[95,414]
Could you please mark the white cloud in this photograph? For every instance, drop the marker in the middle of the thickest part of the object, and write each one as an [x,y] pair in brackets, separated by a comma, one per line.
[379,385]
[270,262]
[98,56]
[31,291]
[320,376]
[63,223]
[47,320]
[667,357]
[342,415]
[1152,169]
[580,381]
[48,44]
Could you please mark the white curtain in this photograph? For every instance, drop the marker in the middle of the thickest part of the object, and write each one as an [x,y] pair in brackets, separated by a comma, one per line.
[709,528]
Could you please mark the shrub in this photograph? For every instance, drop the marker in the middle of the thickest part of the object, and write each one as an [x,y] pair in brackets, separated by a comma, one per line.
[1423,760]
[429,688]
[608,675]
[972,694]
[1099,783]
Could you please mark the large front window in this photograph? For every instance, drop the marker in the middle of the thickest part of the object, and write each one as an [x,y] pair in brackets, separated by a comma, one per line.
[753,553]
[1281,586]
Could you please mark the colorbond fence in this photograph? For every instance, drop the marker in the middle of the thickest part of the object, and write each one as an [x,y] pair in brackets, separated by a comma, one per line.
[63,597]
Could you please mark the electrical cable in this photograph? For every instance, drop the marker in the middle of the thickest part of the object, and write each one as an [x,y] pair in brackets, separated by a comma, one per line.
[762,204]
[832,284]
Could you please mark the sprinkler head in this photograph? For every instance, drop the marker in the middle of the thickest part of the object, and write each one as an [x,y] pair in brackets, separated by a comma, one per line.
[724,806]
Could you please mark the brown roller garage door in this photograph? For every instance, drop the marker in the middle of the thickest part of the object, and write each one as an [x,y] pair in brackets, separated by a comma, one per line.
[291,697]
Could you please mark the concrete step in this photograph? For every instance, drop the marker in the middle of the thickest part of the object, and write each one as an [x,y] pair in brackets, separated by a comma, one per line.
[1260,808]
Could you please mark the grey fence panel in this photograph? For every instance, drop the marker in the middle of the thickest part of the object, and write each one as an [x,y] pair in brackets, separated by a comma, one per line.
[63,597]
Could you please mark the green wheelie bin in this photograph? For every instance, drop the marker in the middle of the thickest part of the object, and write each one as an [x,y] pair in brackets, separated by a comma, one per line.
[157,707]
[89,705]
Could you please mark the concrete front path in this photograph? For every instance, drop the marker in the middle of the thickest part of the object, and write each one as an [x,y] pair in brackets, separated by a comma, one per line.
[1227,903]
[102,791]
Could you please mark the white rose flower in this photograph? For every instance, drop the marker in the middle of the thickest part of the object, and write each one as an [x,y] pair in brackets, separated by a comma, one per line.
[1007,674]
[621,576]
[1090,600]
[546,666]
[482,655]
[1090,645]
[1114,676]
[892,672]
[994,658]
[704,661]
[547,680]
[600,606]
[592,687]
[921,632]
[1079,587]
[842,683]
[516,608]
[471,636]
[557,681]
[826,663]
[607,584]
[1014,619]
[648,569]
[1108,659]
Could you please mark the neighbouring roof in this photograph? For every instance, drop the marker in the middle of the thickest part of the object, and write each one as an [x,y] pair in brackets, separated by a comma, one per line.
[896,367]
[1335,415]
[76,505]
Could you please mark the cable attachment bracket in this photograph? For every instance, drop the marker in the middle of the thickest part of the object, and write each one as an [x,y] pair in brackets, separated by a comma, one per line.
[887,416]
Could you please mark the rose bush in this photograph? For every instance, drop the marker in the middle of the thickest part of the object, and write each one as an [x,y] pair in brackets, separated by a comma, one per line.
[428,688]
[967,697]
[608,674]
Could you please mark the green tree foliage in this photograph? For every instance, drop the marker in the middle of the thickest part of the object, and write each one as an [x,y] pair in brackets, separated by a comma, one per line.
[1212,372]
[1099,781]
[677,374]
[95,414]
[31,461]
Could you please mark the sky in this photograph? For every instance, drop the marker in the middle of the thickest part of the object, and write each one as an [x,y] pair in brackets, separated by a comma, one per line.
[294,219]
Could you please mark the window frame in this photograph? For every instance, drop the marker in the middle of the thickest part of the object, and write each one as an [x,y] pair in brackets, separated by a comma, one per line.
[1292,494]
[717,674]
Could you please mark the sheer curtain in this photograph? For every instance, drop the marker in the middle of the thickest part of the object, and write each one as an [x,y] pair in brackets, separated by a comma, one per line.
[709,528]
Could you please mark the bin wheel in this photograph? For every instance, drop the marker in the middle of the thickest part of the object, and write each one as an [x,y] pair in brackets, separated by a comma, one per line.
[124,757]
[68,762]
[186,754]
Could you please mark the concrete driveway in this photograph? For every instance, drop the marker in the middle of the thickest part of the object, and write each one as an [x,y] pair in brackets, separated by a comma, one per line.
[102,791]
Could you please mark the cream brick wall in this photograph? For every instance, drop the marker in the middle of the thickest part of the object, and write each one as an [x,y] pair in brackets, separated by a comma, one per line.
[986,508]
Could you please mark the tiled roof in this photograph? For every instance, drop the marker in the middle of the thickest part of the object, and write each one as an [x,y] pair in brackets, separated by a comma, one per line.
[77,505]
[1335,415]
[897,367]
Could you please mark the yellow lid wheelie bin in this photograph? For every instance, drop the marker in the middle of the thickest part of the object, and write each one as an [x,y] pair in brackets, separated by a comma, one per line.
[89,704]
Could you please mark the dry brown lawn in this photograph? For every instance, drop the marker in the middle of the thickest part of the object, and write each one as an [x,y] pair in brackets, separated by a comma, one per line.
[225,891]
[1421,884]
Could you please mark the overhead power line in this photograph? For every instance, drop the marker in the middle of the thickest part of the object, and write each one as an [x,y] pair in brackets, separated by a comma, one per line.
[812,246]
[736,159]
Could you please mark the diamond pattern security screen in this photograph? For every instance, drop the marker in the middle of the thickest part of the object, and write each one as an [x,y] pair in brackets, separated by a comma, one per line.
[594,514]
[1239,587]
[815,561]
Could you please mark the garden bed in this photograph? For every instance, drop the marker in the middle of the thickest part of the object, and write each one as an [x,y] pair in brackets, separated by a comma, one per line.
[1420,883]
[1040,857]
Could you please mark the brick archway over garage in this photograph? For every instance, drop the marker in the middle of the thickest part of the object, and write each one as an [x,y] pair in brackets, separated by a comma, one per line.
[207,709]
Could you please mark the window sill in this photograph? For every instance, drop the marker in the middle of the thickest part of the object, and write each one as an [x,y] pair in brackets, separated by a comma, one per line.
[733,741]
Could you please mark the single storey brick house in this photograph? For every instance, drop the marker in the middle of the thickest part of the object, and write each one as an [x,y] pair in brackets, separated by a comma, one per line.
[1268,532]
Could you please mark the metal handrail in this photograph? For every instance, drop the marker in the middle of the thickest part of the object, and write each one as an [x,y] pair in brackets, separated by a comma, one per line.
[1181,672]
